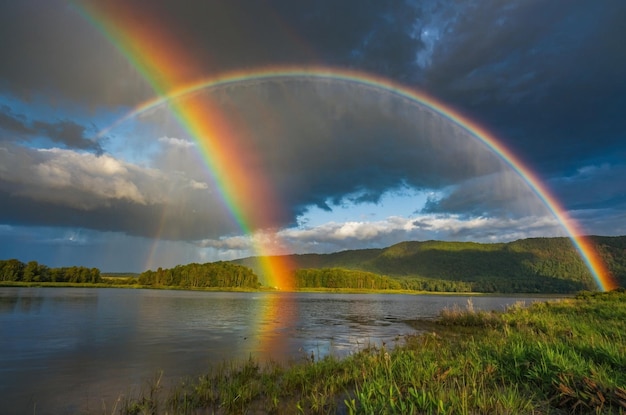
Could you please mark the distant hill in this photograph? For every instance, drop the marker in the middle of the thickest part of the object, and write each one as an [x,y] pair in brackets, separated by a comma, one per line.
[527,265]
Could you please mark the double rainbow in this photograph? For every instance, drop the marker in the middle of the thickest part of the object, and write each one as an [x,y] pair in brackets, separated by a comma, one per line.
[168,72]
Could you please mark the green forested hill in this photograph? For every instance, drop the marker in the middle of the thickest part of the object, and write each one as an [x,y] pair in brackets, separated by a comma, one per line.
[528,265]
[351,259]
[613,251]
[542,265]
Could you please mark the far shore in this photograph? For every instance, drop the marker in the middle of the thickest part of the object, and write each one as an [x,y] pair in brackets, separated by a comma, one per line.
[35,284]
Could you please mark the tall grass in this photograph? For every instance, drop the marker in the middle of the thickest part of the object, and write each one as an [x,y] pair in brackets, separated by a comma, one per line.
[557,357]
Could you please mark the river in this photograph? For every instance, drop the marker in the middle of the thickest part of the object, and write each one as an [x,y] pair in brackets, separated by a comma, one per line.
[75,350]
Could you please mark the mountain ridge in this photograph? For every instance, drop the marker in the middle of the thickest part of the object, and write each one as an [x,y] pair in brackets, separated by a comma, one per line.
[544,264]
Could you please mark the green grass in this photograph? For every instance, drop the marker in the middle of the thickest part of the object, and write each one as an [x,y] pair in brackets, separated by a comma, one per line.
[548,358]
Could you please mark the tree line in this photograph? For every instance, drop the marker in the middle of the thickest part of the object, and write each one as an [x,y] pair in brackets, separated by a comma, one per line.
[355,279]
[343,278]
[213,274]
[494,285]
[14,270]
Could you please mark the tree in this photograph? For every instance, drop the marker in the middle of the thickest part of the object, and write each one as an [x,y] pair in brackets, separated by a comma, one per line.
[11,270]
[31,272]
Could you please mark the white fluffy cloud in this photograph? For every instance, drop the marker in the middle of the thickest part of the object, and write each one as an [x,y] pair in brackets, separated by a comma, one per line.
[58,187]
[76,179]
[335,236]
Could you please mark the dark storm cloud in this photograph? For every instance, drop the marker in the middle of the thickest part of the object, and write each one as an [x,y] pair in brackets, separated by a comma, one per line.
[326,142]
[377,36]
[17,127]
[548,76]
[542,74]
[68,133]
[154,220]
[50,51]
[503,194]
[609,221]
[13,123]
[603,184]
[49,48]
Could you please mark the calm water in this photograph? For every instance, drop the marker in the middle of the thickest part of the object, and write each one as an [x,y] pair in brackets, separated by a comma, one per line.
[78,350]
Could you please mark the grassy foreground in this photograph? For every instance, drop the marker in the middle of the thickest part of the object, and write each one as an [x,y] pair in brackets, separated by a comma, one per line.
[549,358]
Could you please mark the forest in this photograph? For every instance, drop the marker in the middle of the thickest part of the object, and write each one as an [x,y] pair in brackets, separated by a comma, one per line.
[213,274]
[343,278]
[17,271]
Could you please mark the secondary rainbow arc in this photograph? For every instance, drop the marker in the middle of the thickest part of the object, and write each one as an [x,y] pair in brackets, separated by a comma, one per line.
[591,258]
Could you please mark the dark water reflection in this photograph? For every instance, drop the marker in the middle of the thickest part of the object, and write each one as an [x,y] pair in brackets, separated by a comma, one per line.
[78,350]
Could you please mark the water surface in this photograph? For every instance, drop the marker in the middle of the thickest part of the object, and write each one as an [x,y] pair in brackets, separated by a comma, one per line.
[69,350]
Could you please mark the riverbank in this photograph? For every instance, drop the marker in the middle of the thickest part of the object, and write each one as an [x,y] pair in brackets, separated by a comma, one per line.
[555,357]
[262,289]
[221,289]
[32,284]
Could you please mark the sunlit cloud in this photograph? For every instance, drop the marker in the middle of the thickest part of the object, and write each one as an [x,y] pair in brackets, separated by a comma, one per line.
[334,236]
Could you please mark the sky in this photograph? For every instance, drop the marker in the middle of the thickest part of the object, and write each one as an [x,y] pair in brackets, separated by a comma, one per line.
[296,161]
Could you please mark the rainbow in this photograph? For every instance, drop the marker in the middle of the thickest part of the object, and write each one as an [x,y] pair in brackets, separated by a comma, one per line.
[581,243]
[149,47]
